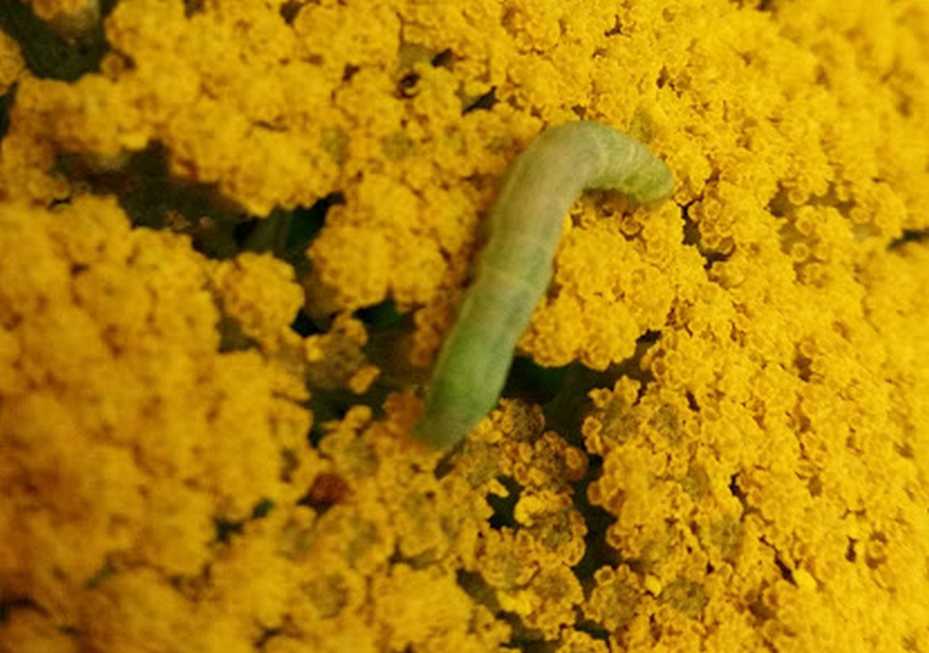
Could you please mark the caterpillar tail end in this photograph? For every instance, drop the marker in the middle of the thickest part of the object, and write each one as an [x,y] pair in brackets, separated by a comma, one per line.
[442,430]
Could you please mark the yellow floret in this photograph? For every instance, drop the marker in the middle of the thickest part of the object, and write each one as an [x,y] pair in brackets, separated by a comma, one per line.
[70,17]
[28,631]
[11,63]
[413,606]
[259,293]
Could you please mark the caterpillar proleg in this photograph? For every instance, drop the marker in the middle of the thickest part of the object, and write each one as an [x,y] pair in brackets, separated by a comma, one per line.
[515,266]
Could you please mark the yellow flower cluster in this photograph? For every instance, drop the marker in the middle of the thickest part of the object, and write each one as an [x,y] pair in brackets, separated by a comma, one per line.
[125,432]
[206,449]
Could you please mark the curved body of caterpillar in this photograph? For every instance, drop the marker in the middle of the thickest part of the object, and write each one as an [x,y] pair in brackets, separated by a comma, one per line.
[515,267]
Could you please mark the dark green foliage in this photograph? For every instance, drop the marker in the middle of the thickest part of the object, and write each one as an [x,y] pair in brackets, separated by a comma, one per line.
[47,54]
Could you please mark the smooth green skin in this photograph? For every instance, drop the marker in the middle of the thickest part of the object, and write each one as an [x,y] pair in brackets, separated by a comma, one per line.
[515,267]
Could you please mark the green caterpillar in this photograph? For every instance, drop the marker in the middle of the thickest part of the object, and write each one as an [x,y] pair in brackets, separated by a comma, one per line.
[515,267]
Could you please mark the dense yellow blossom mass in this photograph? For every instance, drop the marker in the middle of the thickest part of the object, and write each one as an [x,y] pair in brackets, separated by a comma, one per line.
[204,427]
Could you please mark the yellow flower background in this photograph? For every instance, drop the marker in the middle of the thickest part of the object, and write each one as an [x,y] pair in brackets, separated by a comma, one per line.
[233,234]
